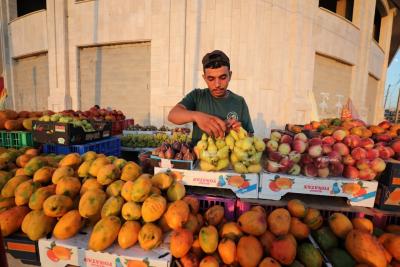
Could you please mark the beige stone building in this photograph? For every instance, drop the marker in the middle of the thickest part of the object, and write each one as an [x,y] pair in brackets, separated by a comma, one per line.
[293,60]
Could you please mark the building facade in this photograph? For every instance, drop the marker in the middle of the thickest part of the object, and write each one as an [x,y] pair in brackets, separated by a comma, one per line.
[292,60]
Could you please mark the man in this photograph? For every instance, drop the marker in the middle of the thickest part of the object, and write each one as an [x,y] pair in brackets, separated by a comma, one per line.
[215,109]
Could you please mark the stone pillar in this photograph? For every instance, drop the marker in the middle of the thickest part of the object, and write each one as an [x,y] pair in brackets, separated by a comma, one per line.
[57,34]
[8,11]
[384,42]
[363,18]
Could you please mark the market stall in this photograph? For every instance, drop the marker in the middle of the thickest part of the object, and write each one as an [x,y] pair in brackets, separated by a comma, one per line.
[303,196]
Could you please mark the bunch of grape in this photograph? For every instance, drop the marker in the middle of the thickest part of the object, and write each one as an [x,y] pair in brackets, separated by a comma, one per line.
[180,137]
[143,140]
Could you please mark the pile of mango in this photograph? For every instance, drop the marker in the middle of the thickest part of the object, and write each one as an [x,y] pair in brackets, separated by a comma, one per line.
[237,148]
[281,238]
[62,194]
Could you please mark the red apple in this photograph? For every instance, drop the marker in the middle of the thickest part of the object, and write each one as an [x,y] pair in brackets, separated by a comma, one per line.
[299,145]
[295,170]
[336,169]
[326,149]
[310,170]
[384,152]
[334,157]
[341,148]
[367,143]
[383,137]
[339,134]
[315,141]
[378,165]
[286,139]
[352,141]
[328,140]
[306,159]
[315,151]
[359,153]
[351,172]
[285,164]
[284,148]
[276,136]
[367,174]
[372,153]
[363,164]
[348,160]
[385,124]
[321,162]
[275,156]
[324,172]
[272,166]
[294,156]
[396,146]
[272,145]
[301,136]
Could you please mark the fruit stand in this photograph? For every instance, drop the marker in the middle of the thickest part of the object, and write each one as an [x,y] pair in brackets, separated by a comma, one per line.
[303,196]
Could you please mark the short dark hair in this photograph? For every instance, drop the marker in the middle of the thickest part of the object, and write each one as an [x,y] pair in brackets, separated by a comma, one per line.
[215,59]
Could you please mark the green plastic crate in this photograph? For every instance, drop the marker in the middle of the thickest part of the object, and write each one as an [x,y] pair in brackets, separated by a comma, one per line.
[16,139]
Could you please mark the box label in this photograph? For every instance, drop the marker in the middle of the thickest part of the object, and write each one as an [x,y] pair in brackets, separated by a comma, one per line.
[59,128]
[396,181]
[21,247]
[359,192]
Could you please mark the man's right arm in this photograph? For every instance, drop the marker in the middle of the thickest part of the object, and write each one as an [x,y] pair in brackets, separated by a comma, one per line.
[210,124]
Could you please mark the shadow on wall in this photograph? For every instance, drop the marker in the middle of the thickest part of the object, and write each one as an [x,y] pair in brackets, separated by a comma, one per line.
[263,128]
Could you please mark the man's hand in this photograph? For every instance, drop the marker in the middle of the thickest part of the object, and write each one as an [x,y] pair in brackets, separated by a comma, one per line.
[233,124]
[210,124]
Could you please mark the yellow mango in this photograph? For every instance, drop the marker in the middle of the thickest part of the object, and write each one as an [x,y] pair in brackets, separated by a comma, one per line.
[131,211]
[24,191]
[91,202]
[61,172]
[130,171]
[39,196]
[97,164]
[68,186]
[90,183]
[114,189]
[57,205]
[112,206]
[37,224]
[9,188]
[104,233]
[44,174]
[69,225]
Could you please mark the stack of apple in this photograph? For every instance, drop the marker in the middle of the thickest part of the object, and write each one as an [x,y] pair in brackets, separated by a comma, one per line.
[96,114]
[341,154]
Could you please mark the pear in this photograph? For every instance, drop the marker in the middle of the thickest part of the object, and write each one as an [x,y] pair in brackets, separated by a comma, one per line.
[222,164]
[230,141]
[205,166]
[255,168]
[220,143]
[240,167]
[259,144]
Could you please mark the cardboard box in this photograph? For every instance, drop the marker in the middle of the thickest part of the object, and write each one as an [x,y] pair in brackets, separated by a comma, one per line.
[391,174]
[78,255]
[388,198]
[242,185]
[358,192]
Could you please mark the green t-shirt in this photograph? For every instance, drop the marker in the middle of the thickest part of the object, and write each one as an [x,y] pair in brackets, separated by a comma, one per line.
[232,106]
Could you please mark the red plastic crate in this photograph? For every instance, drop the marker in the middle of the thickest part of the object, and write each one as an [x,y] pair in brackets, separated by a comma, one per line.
[209,201]
[119,126]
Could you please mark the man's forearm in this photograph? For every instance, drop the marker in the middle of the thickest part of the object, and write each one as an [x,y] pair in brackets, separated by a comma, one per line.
[180,115]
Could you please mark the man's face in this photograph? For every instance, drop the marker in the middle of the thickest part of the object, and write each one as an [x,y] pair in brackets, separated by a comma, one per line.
[217,80]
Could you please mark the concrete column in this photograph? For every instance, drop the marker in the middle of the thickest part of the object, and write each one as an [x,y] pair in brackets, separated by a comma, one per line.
[57,34]
[384,43]
[363,18]
[8,9]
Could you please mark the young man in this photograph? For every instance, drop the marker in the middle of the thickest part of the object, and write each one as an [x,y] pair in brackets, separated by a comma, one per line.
[215,109]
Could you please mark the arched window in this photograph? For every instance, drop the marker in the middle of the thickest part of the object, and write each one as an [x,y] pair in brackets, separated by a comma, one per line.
[343,8]
[28,6]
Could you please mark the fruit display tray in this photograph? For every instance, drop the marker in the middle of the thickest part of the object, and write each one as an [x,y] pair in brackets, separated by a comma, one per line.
[118,126]
[109,146]
[242,185]
[74,252]
[172,163]
[388,197]
[358,192]
[66,134]
[391,174]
